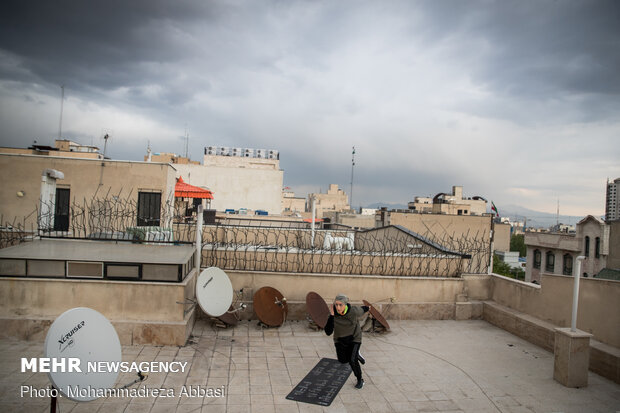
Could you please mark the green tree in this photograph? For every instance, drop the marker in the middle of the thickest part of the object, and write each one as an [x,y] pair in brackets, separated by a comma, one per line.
[517,243]
[502,268]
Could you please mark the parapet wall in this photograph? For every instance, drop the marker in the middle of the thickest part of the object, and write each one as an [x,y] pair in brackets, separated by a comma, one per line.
[141,312]
[551,301]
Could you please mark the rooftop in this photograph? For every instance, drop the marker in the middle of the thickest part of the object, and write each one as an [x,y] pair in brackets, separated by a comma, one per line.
[446,366]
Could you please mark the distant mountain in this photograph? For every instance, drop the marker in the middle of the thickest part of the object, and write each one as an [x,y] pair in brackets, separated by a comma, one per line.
[536,218]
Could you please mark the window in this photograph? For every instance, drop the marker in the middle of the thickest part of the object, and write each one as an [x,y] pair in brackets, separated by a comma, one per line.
[149,205]
[550,261]
[567,267]
[537,258]
[61,210]
[597,247]
[459,212]
[587,247]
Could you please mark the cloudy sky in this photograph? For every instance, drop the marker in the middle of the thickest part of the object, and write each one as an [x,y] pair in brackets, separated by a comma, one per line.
[517,101]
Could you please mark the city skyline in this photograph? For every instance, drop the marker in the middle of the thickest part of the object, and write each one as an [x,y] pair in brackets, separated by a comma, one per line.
[517,102]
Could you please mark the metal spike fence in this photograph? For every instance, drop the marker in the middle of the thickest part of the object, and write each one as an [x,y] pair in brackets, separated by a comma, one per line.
[262,245]
[382,251]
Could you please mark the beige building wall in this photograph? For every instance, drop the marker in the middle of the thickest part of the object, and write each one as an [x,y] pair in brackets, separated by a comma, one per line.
[60,153]
[464,233]
[598,310]
[451,204]
[237,182]
[85,178]
[421,204]
[351,220]
[173,158]
[291,203]
[141,312]
[444,226]
[501,237]
[613,259]
[334,200]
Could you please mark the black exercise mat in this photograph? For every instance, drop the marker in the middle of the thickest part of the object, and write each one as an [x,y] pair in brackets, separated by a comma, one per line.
[322,384]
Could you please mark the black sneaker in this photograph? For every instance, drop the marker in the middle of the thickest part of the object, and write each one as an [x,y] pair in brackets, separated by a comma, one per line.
[361,358]
[360,384]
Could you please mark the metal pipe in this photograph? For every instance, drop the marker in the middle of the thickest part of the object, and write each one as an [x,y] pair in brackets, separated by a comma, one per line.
[573,323]
[198,237]
[312,223]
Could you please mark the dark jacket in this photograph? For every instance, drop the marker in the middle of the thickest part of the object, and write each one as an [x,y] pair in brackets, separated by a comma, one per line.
[346,327]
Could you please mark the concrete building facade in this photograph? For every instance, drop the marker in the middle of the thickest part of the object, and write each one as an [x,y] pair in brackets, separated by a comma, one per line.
[335,200]
[555,253]
[83,180]
[238,182]
[292,204]
[63,148]
[451,204]
[612,201]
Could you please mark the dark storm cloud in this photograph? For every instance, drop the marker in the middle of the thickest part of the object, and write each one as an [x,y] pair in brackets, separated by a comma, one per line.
[538,51]
[313,78]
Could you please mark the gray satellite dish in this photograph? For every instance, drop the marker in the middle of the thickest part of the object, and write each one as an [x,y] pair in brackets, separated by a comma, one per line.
[214,291]
[85,334]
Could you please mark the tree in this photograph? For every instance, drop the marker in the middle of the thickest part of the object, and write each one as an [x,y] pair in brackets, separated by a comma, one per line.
[517,243]
[502,268]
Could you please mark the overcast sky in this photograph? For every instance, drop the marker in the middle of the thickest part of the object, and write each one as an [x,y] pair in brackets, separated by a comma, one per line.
[517,101]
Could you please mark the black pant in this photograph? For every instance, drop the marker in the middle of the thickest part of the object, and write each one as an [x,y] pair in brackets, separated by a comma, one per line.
[347,352]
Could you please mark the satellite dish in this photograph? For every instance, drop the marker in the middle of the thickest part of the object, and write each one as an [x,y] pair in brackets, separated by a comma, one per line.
[317,308]
[214,291]
[270,306]
[85,334]
[376,315]
[229,317]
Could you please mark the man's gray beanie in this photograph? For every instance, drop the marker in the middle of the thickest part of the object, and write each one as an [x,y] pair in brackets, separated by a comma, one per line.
[342,298]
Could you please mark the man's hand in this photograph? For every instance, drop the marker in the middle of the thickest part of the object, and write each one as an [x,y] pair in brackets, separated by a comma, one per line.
[331,309]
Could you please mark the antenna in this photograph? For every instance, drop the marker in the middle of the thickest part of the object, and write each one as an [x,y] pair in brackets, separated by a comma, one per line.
[557,216]
[186,142]
[352,169]
[62,100]
[105,144]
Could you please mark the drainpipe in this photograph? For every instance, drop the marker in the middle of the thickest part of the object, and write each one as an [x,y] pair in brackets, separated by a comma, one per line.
[573,323]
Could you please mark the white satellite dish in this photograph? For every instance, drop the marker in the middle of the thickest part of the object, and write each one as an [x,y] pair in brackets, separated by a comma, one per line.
[214,291]
[85,334]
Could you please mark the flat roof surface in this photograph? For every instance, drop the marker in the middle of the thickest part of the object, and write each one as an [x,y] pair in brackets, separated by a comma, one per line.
[421,366]
[106,251]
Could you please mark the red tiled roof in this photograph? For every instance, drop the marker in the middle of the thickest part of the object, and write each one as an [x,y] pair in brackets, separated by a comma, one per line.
[183,190]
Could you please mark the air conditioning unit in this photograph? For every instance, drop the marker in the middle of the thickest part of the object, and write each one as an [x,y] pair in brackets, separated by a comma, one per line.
[210,150]
[261,153]
[237,152]
[248,153]
[272,154]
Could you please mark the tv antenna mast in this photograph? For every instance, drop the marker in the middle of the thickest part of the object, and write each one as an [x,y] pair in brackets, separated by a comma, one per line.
[62,100]
[186,142]
[352,170]
[105,144]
